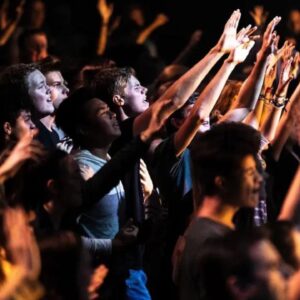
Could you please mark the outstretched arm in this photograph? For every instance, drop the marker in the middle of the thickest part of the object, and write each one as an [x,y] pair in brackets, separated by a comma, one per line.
[186,52]
[105,12]
[250,90]
[207,99]
[285,125]
[160,20]
[9,26]
[273,110]
[292,200]
[178,93]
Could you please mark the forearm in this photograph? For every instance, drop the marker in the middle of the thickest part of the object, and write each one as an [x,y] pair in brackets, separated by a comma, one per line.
[285,124]
[254,117]
[270,120]
[178,93]
[143,36]
[251,88]
[111,173]
[102,40]
[291,201]
[183,55]
[202,108]
[8,31]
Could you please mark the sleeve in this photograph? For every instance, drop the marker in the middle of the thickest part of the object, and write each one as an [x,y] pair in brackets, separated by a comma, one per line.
[111,173]
[165,154]
[97,246]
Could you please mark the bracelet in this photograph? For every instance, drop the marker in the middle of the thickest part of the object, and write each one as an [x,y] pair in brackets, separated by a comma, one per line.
[279,101]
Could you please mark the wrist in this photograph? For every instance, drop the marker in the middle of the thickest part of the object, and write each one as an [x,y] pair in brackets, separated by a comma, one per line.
[279,101]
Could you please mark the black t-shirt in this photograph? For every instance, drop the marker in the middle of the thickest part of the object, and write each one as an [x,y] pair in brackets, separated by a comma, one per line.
[48,138]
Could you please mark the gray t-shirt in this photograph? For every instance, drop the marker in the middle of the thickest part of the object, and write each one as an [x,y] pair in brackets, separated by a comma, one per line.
[197,234]
[101,220]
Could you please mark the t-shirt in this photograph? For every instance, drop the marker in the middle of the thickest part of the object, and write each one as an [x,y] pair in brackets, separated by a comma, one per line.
[132,184]
[101,220]
[48,138]
[174,180]
[200,231]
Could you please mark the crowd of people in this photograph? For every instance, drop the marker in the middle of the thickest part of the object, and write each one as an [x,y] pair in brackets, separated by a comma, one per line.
[185,189]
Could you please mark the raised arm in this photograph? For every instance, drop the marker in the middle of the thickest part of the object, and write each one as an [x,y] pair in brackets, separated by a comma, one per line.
[186,52]
[250,90]
[160,20]
[105,12]
[285,125]
[273,110]
[9,26]
[178,93]
[292,200]
[207,99]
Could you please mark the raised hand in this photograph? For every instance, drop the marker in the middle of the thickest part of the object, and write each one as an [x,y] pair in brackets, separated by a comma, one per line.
[25,149]
[105,10]
[228,41]
[96,281]
[21,243]
[146,181]
[240,53]
[4,20]
[269,37]
[245,34]
[295,65]
[126,236]
[285,77]
[195,37]
[161,19]
[259,15]
[20,9]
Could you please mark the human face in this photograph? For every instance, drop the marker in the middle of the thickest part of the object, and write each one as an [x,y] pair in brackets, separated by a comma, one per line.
[39,92]
[23,125]
[37,47]
[251,181]
[102,125]
[244,186]
[135,97]
[58,87]
[268,278]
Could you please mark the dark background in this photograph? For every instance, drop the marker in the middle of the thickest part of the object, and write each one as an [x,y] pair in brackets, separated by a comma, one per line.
[185,16]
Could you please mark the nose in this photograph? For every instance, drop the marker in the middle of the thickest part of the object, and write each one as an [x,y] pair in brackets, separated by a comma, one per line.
[144,90]
[66,90]
[258,177]
[32,125]
[48,90]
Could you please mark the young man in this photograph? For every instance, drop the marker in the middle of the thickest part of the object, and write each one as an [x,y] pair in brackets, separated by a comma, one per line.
[93,127]
[59,91]
[225,178]
[241,265]
[31,83]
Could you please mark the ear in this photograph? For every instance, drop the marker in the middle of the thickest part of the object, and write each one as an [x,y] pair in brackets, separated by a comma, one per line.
[7,128]
[51,186]
[118,100]
[238,291]
[219,182]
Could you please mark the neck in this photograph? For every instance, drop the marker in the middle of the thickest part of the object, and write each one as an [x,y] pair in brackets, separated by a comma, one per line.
[55,212]
[214,208]
[100,152]
[122,116]
[47,122]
